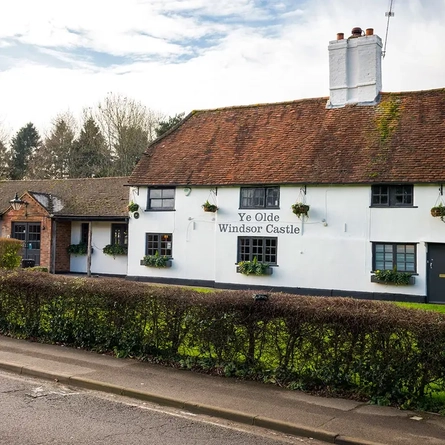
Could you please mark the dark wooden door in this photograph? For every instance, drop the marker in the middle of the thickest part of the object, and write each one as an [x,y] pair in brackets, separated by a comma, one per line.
[29,234]
[436,273]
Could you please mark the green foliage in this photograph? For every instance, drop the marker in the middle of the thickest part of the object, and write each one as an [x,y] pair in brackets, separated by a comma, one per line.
[78,249]
[300,209]
[115,249]
[155,260]
[37,269]
[89,155]
[164,126]
[133,207]
[253,267]
[23,145]
[9,253]
[51,160]
[371,350]
[393,277]
[387,118]
[209,207]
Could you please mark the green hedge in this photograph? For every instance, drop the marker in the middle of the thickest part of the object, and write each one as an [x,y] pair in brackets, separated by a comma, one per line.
[369,350]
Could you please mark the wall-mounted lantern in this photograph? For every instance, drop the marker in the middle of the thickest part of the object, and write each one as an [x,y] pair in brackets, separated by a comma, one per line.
[17,203]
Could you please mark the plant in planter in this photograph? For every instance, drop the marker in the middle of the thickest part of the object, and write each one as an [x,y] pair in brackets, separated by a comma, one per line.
[115,249]
[78,249]
[392,277]
[254,267]
[300,209]
[156,260]
[209,207]
[133,207]
[438,211]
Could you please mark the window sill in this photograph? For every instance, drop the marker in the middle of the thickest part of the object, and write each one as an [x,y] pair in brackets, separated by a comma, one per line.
[393,207]
[160,210]
[412,280]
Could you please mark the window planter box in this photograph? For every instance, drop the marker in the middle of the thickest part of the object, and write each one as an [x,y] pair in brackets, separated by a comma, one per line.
[267,271]
[412,280]
[168,263]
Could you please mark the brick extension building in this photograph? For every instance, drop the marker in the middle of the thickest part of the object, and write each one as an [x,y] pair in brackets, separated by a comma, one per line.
[56,214]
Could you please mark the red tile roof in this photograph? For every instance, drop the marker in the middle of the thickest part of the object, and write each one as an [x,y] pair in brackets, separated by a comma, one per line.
[402,139]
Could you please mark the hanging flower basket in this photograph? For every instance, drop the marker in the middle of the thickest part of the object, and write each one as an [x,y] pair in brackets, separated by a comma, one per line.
[300,209]
[438,211]
[209,207]
[133,207]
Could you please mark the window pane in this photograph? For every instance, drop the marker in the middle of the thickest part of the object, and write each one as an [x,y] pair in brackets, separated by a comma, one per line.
[272,197]
[168,203]
[258,198]
[155,193]
[156,203]
[168,193]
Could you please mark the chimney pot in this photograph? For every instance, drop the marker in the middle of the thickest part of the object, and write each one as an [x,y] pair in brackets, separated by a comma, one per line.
[356,32]
[369,31]
[340,36]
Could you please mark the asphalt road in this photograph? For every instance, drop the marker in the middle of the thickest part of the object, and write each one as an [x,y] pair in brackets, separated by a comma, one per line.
[38,412]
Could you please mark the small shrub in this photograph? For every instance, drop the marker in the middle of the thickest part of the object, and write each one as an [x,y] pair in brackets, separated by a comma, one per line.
[9,253]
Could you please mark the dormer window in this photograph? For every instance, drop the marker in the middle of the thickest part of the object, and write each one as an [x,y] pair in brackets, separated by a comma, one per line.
[392,195]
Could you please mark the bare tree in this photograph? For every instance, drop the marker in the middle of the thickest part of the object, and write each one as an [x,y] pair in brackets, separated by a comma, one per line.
[5,154]
[128,127]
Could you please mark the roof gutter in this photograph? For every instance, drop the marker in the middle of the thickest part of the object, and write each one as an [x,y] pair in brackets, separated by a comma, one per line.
[88,218]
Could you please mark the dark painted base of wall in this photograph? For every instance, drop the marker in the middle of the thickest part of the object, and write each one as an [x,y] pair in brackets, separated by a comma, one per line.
[289,290]
[93,274]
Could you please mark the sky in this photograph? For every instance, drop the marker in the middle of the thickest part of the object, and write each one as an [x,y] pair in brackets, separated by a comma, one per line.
[176,56]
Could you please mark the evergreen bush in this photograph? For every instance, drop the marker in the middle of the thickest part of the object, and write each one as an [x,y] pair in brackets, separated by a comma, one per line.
[9,253]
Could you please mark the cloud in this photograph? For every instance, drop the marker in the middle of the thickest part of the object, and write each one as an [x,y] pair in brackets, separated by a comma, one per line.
[179,55]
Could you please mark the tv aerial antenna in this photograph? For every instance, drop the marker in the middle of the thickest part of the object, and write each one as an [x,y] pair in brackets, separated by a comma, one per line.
[388,14]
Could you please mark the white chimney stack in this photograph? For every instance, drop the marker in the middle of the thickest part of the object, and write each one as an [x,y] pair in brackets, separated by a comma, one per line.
[355,69]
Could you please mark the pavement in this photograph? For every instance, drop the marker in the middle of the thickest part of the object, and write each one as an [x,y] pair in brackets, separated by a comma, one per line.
[332,420]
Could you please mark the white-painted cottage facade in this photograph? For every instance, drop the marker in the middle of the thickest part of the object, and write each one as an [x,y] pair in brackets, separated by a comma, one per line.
[370,165]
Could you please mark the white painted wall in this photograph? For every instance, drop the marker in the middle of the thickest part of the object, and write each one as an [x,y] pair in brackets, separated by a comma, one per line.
[332,250]
[100,263]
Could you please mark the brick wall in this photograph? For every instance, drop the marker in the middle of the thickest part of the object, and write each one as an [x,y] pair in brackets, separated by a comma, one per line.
[63,240]
[33,212]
